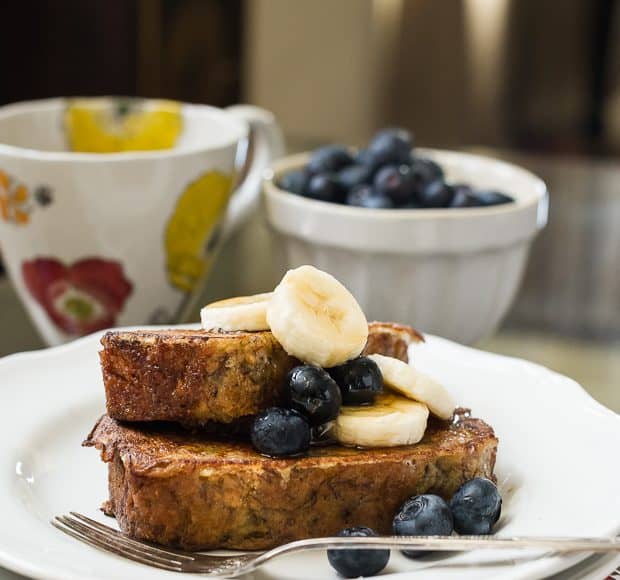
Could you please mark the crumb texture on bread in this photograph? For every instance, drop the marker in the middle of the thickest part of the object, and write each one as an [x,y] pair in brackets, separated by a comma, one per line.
[180,489]
[195,377]
[191,377]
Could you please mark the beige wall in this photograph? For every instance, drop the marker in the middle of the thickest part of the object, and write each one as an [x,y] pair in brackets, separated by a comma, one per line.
[456,72]
[432,95]
[309,63]
[338,70]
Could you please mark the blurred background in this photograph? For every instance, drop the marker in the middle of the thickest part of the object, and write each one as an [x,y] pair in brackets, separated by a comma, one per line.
[512,73]
[536,82]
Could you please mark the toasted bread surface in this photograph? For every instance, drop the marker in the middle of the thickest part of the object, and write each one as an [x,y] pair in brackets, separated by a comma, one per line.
[195,377]
[183,489]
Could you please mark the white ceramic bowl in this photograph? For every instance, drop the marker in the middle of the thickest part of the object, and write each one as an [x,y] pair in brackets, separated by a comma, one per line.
[452,272]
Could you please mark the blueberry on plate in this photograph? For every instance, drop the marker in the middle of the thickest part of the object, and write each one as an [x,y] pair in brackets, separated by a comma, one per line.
[391,147]
[463,196]
[396,182]
[311,391]
[295,181]
[476,507]
[355,563]
[436,194]
[365,196]
[359,379]
[329,159]
[354,175]
[325,187]
[492,197]
[280,432]
[423,515]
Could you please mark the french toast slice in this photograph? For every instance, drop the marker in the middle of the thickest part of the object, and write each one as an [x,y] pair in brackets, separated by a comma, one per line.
[195,377]
[181,489]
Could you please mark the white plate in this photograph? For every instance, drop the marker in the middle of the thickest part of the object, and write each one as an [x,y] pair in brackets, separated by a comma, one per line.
[556,464]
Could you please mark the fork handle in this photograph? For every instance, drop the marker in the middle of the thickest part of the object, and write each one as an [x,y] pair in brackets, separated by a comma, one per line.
[450,543]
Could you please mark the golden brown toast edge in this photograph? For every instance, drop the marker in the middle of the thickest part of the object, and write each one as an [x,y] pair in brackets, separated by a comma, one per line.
[196,377]
[180,489]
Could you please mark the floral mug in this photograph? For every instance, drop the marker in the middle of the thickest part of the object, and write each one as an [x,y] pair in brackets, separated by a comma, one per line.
[111,208]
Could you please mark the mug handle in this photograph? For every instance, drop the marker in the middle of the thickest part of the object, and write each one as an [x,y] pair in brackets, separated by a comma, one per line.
[267,145]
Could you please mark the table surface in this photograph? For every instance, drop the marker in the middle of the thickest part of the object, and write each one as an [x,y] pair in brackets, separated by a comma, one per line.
[566,317]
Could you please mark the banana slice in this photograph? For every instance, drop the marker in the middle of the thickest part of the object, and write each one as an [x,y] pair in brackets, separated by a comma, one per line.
[316,319]
[392,420]
[240,313]
[403,378]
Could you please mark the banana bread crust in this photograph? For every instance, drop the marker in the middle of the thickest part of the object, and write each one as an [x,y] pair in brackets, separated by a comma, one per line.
[180,489]
[195,377]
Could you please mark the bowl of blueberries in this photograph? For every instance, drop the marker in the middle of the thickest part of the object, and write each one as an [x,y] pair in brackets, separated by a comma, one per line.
[438,239]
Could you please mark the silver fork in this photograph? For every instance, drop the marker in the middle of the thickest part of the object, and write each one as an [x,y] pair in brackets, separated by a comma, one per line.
[106,538]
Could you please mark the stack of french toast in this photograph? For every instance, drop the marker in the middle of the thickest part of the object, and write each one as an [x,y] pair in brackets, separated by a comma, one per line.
[287,416]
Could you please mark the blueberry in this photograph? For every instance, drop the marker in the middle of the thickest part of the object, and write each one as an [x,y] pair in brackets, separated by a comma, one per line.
[279,432]
[395,182]
[365,157]
[436,194]
[476,506]
[355,563]
[354,175]
[365,196]
[359,380]
[295,181]
[311,391]
[492,197]
[425,171]
[325,187]
[463,188]
[391,147]
[329,159]
[378,202]
[412,204]
[463,196]
[423,515]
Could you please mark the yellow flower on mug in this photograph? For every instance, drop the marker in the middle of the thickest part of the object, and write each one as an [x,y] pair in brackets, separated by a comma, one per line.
[191,232]
[107,125]
[14,201]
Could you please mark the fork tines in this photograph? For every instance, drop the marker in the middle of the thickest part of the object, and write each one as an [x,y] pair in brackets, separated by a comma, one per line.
[106,538]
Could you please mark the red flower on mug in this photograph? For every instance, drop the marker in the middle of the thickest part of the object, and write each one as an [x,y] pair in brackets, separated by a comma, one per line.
[81,298]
